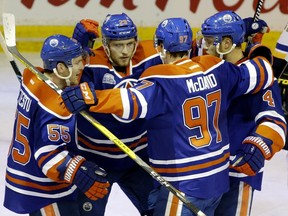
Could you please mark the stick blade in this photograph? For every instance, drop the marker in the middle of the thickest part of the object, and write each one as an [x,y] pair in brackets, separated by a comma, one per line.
[9,29]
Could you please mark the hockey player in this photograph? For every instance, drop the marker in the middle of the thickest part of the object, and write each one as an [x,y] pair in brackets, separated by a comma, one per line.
[118,63]
[185,103]
[44,174]
[258,116]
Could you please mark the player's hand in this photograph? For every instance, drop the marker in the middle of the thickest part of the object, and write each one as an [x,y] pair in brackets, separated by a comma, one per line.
[251,157]
[85,32]
[88,177]
[255,30]
[79,97]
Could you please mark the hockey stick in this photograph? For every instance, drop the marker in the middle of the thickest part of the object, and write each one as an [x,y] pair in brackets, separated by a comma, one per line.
[10,57]
[10,38]
[256,15]
[258,10]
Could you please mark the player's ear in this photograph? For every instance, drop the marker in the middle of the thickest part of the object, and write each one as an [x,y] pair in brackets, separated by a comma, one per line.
[62,69]
[226,43]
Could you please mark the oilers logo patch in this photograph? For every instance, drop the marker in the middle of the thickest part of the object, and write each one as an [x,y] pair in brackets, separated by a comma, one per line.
[164,23]
[53,42]
[87,206]
[126,83]
[227,18]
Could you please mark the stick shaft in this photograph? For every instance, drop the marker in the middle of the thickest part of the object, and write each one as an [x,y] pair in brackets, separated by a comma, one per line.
[256,16]
[258,10]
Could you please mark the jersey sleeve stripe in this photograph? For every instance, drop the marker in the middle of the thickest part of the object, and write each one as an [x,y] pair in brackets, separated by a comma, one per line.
[54,161]
[126,103]
[278,142]
[47,148]
[262,76]
[253,76]
[269,71]
[277,129]
[142,101]
[271,113]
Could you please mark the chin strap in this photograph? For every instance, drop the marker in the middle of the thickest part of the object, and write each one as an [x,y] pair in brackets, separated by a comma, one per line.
[107,51]
[224,53]
[135,48]
[161,54]
[67,78]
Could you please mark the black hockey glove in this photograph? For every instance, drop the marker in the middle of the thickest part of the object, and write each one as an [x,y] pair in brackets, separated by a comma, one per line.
[79,97]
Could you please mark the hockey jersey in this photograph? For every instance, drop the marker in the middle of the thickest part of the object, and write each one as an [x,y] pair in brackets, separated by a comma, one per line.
[92,143]
[42,140]
[260,113]
[185,105]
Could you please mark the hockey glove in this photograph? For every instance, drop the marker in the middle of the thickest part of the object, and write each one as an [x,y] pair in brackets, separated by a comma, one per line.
[88,177]
[255,50]
[255,30]
[85,32]
[79,97]
[251,157]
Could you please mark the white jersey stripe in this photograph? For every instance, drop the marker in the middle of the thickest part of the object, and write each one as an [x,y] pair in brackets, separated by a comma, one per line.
[253,76]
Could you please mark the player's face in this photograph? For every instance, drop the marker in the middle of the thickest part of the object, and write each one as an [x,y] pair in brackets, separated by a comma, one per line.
[121,51]
[211,48]
[77,67]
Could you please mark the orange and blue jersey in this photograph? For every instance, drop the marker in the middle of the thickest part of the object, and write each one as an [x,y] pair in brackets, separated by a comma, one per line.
[92,143]
[44,135]
[185,105]
[261,114]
